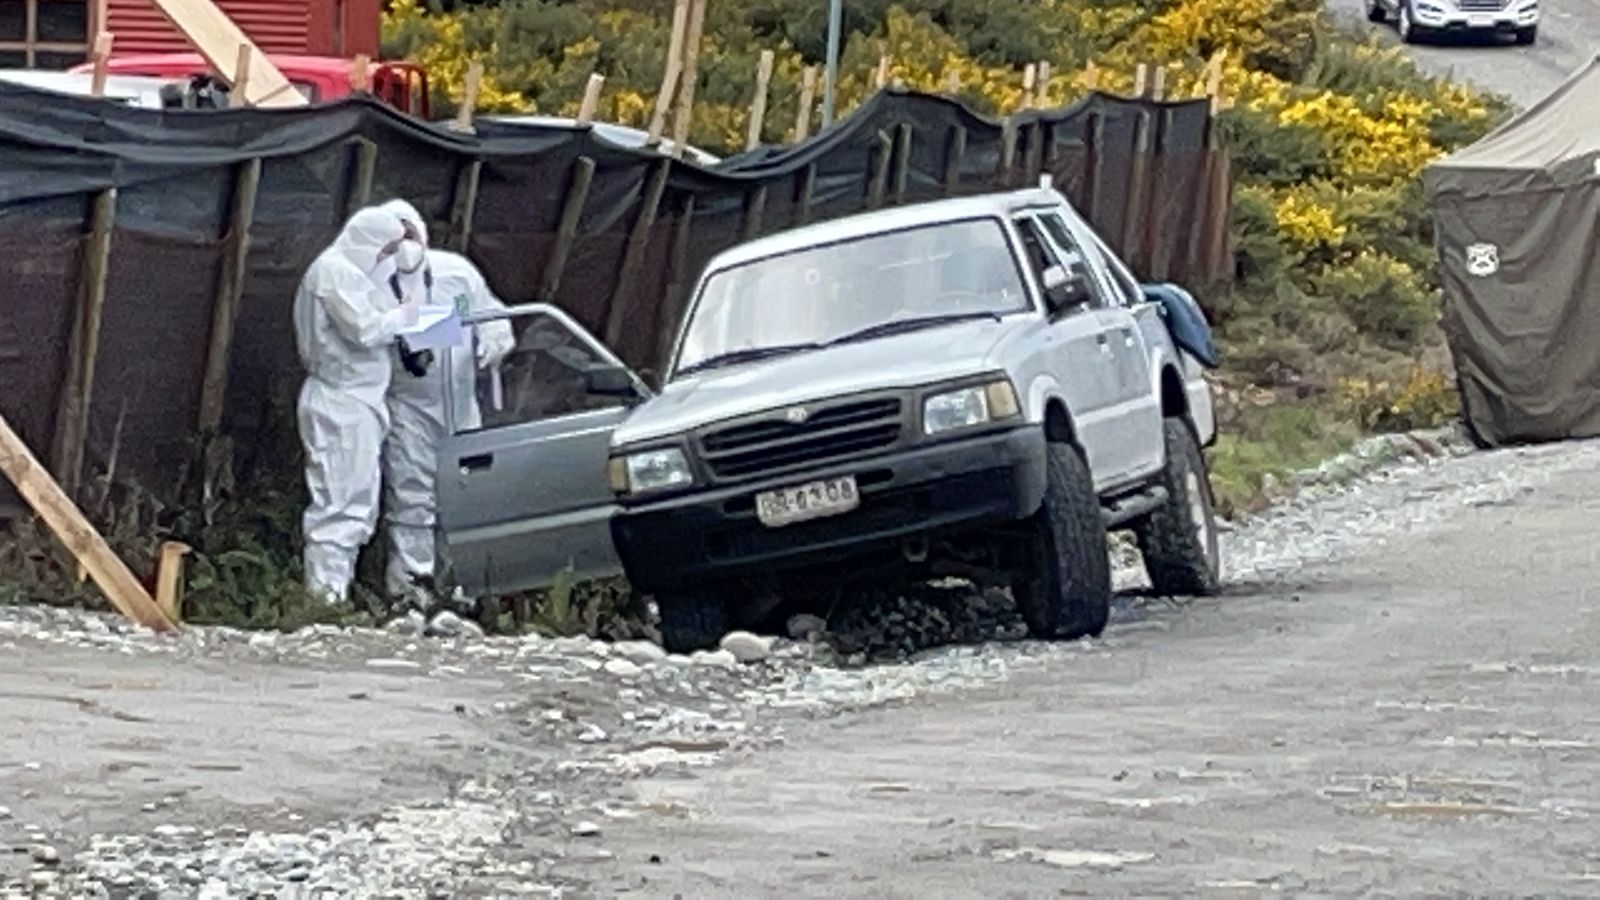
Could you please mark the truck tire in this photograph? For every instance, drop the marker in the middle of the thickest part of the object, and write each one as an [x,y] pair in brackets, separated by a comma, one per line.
[1179,539]
[1406,24]
[1529,36]
[692,619]
[1376,14]
[1065,590]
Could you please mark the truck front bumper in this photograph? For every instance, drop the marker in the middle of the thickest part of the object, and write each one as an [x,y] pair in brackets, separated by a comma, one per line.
[993,478]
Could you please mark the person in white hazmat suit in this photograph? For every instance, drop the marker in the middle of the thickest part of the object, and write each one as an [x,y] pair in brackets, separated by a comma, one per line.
[417,408]
[345,326]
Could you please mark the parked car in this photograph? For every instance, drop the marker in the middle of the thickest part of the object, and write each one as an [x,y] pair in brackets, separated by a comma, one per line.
[320,79]
[973,387]
[621,135]
[1419,19]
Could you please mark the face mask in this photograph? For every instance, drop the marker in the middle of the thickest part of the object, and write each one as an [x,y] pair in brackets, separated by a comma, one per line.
[410,256]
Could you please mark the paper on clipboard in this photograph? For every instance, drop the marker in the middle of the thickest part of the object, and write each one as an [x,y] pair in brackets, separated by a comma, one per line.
[437,327]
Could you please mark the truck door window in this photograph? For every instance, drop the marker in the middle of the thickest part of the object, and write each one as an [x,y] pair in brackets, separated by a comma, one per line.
[1105,293]
[1043,253]
[545,376]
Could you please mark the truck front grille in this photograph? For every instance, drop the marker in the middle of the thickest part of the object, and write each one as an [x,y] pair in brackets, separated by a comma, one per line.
[1482,5]
[771,443]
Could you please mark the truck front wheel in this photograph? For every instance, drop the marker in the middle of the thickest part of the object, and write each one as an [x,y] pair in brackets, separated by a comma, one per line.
[1064,591]
[692,619]
[1179,539]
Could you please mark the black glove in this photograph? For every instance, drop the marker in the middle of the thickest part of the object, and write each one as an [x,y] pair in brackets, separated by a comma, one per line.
[415,361]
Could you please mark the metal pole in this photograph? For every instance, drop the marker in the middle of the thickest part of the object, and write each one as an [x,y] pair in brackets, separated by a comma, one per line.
[835,25]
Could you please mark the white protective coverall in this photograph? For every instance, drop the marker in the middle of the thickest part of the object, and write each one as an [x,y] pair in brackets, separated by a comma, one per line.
[345,331]
[417,409]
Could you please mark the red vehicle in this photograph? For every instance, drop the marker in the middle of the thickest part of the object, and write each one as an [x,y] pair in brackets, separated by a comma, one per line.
[320,79]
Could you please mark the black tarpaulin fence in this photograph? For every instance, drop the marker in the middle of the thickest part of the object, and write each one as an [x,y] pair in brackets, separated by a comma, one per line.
[172,346]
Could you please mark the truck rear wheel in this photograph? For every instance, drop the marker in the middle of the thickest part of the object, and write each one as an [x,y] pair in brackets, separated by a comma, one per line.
[692,619]
[1064,592]
[1528,36]
[1179,539]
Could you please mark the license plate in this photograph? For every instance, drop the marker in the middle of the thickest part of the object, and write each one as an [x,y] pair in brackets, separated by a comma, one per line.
[1480,21]
[787,506]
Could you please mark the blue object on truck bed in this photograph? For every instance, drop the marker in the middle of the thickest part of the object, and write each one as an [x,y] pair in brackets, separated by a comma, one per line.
[1185,319]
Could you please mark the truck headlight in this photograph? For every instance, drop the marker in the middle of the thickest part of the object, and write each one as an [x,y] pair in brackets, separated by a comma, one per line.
[968,407]
[652,470]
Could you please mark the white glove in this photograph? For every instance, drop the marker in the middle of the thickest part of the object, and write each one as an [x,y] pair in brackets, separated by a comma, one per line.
[495,343]
[410,313]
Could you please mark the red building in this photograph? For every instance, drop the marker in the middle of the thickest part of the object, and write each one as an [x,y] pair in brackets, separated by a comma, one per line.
[56,34]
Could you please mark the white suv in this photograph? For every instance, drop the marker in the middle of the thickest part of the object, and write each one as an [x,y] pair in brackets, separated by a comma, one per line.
[1418,19]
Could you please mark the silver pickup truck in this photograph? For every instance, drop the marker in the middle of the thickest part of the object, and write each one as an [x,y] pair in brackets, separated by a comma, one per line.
[972,388]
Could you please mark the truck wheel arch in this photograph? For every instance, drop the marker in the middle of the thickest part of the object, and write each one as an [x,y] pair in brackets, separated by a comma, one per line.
[1174,395]
[1058,427]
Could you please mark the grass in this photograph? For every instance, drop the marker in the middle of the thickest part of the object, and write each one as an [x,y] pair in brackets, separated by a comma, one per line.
[1272,440]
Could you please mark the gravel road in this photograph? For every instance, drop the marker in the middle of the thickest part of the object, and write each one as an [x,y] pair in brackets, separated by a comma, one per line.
[1568,38]
[1397,684]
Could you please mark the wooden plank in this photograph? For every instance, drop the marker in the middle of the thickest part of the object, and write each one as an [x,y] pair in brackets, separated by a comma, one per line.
[591,98]
[1200,211]
[955,153]
[219,40]
[169,579]
[638,243]
[1046,74]
[683,117]
[1132,249]
[1030,78]
[77,389]
[99,57]
[673,73]
[241,75]
[808,104]
[465,208]
[65,520]
[1158,86]
[881,78]
[567,229]
[805,193]
[758,106]
[680,281]
[1214,82]
[902,161]
[469,98]
[755,208]
[366,169]
[1094,148]
[230,290]
[1158,262]
[1141,80]
[878,179]
[1034,161]
[952,83]
[1008,151]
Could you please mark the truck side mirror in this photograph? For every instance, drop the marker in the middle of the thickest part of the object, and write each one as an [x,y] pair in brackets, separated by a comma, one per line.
[1065,288]
[610,381]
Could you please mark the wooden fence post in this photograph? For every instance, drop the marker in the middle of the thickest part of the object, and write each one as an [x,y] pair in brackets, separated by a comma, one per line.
[881,79]
[361,73]
[955,153]
[758,106]
[169,579]
[638,243]
[591,98]
[1008,150]
[240,83]
[465,208]
[1158,85]
[230,290]
[85,544]
[804,192]
[366,167]
[1043,90]
[469,98]
[673,73]
[1090,79]
[808,103]
[77,389]
[902,161]
[567,229]
[878,183]
[1030,76]
[755,209]
[683,118]
[680,282]
[1141,80]
[99,57]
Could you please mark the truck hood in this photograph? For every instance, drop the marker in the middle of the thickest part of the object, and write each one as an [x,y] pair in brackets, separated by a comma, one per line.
[905,360]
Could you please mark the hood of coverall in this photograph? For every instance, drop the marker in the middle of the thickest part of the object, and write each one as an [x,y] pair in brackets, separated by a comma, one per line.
[365,236]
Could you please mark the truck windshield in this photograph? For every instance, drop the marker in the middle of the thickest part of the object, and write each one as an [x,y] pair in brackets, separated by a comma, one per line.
[938,273]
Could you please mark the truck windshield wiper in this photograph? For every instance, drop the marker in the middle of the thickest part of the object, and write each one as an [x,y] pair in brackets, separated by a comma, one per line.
[900,326]
[749,355]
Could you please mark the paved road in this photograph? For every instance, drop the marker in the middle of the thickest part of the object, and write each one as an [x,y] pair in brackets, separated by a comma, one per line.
[1419,720]
[1568,37]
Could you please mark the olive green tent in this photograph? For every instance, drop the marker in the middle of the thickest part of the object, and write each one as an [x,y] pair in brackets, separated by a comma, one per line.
[1516,222]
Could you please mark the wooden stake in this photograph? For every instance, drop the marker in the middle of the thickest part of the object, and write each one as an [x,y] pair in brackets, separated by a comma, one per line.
[673,72]
[881,80]
[230,290]
[952,83]
[902,161]
[100,56]
[169,579]
[758,106]
[808,104]
[882,157]
[1030,77]
[66,521]
[755,208]
[805,194]
[591,98]
[567,229]
[680,281]
[954,154]
[1141,80]
[465,208]
[1158,88]
[1090,79]
[633,256]
[361,73]
[77,391]
[241,77]
[683,117]
[366,167]
[1042,94]
[1214,82]
[469,98]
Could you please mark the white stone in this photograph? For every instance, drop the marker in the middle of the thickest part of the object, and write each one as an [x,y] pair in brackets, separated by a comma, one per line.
[622,668]
[747,647]
[718,659]
[640,652]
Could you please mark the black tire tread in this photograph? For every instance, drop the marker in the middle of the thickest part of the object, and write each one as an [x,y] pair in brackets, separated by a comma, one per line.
[1068,594]
[1174,556]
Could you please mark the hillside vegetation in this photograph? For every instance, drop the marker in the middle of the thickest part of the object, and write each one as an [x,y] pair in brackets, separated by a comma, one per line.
[1331,328]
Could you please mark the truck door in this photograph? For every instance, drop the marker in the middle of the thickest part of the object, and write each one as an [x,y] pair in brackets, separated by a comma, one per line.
[523,489]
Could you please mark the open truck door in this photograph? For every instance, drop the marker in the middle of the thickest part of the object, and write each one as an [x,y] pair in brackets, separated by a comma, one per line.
[523,487]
